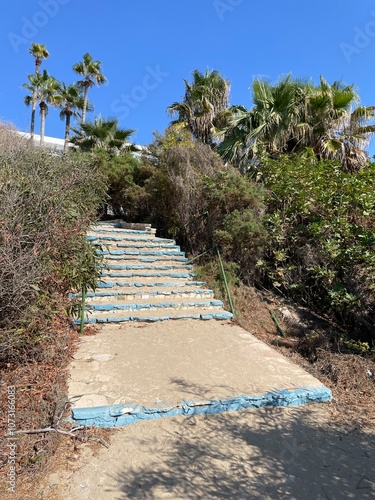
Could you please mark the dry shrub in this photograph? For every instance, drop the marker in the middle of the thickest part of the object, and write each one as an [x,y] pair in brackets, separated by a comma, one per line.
[47,202]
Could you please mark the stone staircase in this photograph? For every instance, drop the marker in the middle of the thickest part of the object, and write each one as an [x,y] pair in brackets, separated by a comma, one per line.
[145,278]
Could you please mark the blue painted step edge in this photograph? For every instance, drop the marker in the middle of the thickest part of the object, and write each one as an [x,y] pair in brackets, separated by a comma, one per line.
[137,239]
[118,229]
[115,256]
[134,293]
[148,275]
[224,316]
[150,252]
[144,267]
[111,284]
[118,415]
[135,247]
[158,305]
[123,231]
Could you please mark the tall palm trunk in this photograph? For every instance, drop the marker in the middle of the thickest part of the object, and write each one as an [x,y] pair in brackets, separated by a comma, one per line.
[67,130]
[38,62]
[43,110]
[85,100]
[33,112]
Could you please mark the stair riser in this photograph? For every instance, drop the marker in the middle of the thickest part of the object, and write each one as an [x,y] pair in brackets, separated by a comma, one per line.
[144,267]
[113,306]
[130,284]
[123,232]
[148,276]
[110,238]
[123,250]
[150,295]
[222,316]
[135,259]
[151,246]
[108,230]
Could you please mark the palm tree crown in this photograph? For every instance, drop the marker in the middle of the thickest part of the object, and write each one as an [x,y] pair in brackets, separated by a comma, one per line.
[102,134]
[71,103]
[39,52]
[293,115]
[203,105]
[92,74]
[45,89]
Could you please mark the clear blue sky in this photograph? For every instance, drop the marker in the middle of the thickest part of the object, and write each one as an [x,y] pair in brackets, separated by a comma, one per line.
[148,47]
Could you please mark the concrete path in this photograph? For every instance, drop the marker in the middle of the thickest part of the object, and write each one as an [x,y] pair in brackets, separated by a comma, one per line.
[132,372]
[199,373]
[258,453]
[266,454]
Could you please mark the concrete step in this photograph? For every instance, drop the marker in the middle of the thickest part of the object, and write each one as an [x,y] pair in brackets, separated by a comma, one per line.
[145,283]
[126,232]
[135,259]
[116,229]
[145,274]
[152,303]
[124,250]
[113,238]
[120,223]
[118,245]
[163,251]
[153,316]
[152,245]
[118,294]
[121,266]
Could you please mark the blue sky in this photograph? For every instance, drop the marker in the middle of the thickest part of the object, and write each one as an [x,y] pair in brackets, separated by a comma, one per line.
[148,47]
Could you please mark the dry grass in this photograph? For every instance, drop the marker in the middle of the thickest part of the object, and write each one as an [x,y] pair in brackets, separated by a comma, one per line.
[41,389]
[311,342]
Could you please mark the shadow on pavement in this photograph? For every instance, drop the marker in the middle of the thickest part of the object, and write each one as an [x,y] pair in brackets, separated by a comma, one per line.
[269,453]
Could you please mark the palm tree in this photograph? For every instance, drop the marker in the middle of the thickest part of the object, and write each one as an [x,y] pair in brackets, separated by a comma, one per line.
[102,134]
[45,89]
[71,103]
[337,130]
[39,52]
[204,104]
[91,72]
[268,125]
[293,115]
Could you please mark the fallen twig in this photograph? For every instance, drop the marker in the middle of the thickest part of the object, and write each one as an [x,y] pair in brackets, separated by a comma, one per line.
[70,433]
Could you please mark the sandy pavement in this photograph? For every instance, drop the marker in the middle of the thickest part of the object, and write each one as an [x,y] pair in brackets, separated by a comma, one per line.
[269,453]
[266,453]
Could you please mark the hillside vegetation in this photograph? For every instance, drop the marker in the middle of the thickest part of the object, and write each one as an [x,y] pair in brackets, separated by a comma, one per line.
[285,191]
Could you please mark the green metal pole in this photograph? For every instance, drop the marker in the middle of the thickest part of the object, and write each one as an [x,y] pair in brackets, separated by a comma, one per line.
[82,324]
[225,281]
[211,228]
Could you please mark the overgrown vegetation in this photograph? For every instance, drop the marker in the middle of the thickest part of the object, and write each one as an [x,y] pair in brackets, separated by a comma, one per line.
[184,189]
[321,226]
[293,211]
[47,203]
[297,225]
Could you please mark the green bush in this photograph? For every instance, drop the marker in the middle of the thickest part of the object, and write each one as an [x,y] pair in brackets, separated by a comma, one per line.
[191,192]
[126,196]
[321,226]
